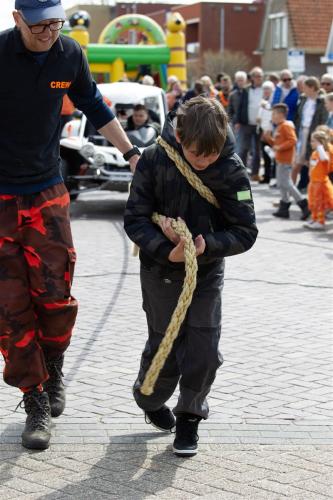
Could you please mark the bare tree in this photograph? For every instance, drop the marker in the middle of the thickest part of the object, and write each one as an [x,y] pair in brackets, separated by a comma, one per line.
[213,63]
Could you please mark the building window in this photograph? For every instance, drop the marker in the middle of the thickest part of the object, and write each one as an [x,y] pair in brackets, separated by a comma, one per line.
[193,49]
[279,25]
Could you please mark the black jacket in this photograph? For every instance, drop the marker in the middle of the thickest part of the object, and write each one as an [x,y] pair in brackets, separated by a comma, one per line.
[158,186]
[30,103]
[233,105]
[242,114]
[319,118]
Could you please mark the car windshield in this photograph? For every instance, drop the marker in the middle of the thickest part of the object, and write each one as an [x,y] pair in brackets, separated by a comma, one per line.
[124,112]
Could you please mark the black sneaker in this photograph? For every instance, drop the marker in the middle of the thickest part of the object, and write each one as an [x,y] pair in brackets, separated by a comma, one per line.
[37,431]
[163,419]
[54,386]
[186,440]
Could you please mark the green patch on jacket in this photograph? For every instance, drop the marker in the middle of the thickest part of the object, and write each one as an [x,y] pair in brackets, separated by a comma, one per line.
[244,195]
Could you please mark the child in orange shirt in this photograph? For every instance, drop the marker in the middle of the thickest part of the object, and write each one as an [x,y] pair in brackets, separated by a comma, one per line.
[320,188]
[284,142]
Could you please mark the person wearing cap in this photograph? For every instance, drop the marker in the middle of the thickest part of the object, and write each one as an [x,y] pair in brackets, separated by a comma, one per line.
[38,67]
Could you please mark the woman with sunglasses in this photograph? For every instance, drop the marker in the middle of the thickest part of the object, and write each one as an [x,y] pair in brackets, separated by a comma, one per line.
[326,82]
[286,92]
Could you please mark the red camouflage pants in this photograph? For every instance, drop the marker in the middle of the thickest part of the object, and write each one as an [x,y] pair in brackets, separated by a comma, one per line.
[37,311]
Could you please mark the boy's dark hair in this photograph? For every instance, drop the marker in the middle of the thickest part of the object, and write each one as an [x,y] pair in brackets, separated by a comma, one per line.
[140,107]
[281,108]
[203,122]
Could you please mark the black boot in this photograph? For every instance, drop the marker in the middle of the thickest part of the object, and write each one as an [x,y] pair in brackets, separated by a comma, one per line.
[37,431]
[186,440]
[283,211]
[303,205]
[54,385]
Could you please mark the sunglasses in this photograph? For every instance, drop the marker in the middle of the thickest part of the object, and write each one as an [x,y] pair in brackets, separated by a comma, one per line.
[286,79]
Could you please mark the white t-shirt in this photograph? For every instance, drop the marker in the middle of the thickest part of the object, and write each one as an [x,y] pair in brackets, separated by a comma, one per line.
[265,115]
[255,97]
[284,93]
[308,112]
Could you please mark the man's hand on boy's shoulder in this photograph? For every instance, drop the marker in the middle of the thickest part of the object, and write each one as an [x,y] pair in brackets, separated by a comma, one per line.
[177,254]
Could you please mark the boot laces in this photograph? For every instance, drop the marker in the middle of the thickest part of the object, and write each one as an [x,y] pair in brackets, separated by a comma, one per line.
[38,410]
[54,368]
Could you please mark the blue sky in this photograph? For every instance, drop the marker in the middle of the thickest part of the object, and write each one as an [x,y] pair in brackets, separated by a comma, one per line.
[7,7]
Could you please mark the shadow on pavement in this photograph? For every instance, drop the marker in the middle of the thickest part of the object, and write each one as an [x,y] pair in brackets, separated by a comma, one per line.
[10,437]
[127,470]
[130,468]
[318,235]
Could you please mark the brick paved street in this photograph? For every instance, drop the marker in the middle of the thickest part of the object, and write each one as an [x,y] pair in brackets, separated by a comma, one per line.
[270,431]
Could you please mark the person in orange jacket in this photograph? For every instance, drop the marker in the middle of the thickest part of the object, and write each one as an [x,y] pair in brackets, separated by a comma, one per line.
[284,142]
[320,188]
[67,111]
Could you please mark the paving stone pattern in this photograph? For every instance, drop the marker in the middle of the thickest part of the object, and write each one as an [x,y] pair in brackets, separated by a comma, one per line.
[271,423]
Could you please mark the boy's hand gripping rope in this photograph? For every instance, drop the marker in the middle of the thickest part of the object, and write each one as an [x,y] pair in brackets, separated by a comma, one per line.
[191,268]
[178,315]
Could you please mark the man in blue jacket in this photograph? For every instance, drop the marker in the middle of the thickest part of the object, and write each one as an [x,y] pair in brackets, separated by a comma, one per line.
[37,311]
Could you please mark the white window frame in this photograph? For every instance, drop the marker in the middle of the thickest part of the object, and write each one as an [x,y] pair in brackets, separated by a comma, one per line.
[279,30]
[193,48]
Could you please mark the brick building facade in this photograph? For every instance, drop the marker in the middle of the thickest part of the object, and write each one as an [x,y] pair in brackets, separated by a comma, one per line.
[215,26]
[219,26]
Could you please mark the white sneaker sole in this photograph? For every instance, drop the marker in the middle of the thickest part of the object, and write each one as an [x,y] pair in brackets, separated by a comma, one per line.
[184,453]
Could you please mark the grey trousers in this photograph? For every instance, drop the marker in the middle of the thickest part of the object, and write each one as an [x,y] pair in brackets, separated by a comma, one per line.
[285,183]
[195,357]
[247,140]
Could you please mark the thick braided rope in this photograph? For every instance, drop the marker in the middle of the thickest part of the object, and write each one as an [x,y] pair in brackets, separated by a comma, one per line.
[184,301]
[184,169]
[191,267]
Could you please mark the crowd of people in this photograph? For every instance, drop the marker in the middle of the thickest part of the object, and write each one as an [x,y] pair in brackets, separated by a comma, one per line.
[283,127]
